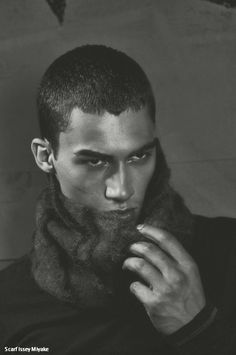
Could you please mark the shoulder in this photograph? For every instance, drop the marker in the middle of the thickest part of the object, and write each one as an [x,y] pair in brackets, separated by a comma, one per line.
[17,272]
[214,225]
[214,250]
[214,235]
[18,266]
[17,284]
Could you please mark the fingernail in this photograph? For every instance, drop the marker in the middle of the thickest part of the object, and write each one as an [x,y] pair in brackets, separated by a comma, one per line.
[140,227]
[136,247]
[133,287]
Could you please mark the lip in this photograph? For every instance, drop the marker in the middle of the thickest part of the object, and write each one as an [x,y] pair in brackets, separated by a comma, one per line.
[125,212]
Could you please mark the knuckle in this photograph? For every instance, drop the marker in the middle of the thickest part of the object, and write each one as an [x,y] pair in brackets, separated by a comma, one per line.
[166,236]
[179,278]
[177,281]
[191,267]
[163,236]
[139,264]
[152,303]
[166,292]
[147,247]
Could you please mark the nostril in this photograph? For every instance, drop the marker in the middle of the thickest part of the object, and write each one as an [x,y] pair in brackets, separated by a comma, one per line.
[118,193]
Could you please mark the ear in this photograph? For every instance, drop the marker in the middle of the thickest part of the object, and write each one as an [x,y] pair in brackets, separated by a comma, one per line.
[43,154]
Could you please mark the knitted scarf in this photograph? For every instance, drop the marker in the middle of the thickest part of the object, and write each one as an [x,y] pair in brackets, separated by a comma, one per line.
[78,252]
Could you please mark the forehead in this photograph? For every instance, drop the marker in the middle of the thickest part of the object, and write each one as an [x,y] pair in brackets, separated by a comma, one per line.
[106,132]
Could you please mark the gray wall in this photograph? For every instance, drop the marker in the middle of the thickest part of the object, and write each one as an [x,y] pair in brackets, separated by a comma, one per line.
[188,49]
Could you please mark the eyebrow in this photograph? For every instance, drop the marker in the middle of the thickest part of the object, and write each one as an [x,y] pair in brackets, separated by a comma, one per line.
[104,156]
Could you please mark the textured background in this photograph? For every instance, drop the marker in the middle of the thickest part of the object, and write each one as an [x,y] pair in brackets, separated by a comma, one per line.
[188,49]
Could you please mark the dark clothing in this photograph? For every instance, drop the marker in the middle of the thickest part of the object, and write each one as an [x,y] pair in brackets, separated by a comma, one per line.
[30,317]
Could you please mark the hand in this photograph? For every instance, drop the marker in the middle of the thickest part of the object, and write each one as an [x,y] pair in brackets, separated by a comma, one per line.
[174,294]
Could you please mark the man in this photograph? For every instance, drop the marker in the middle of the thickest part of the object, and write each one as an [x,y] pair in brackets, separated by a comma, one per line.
[119,265]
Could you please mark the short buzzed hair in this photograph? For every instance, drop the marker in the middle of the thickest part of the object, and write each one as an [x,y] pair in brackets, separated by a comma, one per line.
[95,79]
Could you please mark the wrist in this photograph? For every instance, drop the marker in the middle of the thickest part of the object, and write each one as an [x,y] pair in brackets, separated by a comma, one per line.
[196,326]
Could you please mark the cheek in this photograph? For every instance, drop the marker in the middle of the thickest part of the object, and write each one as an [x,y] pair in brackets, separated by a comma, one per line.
[142,177]
[75,180]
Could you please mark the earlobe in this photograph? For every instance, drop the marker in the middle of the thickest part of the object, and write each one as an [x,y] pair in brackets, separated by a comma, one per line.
[43,153]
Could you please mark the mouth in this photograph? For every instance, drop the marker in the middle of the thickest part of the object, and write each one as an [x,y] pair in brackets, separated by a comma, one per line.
[125,212]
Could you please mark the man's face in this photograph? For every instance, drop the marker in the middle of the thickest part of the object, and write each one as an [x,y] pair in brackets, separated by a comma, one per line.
[105,162]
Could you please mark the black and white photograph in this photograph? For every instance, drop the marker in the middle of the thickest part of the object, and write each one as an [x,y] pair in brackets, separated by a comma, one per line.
[118,177]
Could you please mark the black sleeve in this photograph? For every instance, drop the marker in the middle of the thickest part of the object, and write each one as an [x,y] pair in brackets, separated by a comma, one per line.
[213,330]
[217,339]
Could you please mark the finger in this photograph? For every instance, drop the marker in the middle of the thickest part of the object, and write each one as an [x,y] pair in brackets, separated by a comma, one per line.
[155,256]
[145,270]
[143,293]
[167,242]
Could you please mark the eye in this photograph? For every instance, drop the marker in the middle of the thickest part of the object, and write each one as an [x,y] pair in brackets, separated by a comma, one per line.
[139,157]
[97,163]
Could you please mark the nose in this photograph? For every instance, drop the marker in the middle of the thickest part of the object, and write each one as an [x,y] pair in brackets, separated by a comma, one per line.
[118,185]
